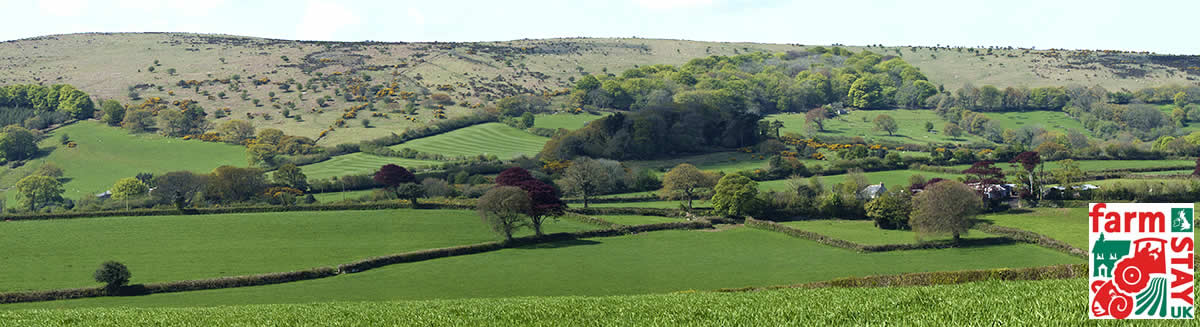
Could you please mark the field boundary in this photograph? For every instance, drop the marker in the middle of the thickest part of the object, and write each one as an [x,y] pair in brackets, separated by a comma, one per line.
[849,245]
[1032,237]
[225,210]
[1066,271]
[170,287]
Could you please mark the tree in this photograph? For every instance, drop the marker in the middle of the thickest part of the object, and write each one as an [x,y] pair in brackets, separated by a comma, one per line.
[945,207]
[984,172]
[261,155]
[735,195]
[527,119]
[179,185]
[952,130]
[1196,171]
[544,199]
[291,176]
[113,274]
[502,208]
[586,177]
[37,191]
[928,126]
[886,123]
[17,143]
[1029,161]
[391,176]
[816,117]
[113,111]
[236,131]
[866,93]
[890,210]
[171,71]
[1067,173]
[128,187]
[1181,99]
[138,120]
[410,191]
[234,184]
[686,180]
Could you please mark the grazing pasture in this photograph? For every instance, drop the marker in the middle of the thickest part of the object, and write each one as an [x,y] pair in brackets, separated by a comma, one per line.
[865,232]
[488,139]
[63,253]
[911,122]
[890,178]
[564,120]
[359,163]
[665,261]
[105,154]
[632,220]
[1069,225]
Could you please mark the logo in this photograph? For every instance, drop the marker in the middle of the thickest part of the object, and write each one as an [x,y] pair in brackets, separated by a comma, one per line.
[1141,264]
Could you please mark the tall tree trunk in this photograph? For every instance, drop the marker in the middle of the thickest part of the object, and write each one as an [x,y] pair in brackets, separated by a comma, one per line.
[585,200]
[414,202]
[957,238]
[537,226]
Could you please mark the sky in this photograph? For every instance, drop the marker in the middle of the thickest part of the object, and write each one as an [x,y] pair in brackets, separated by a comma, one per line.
[1147,25]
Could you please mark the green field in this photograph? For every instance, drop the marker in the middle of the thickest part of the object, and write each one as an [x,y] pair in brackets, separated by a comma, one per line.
[63,253]
[1018,303]
[105,154]
[911,122]
[1096,165]
[359,163]
[1049,120]
[631,220]
[564,120]
[491,138]
[332,197]
[665,261]
[728,162]
[672,204]
[1069,225]
[865,232]
[1166,172]
[889,178]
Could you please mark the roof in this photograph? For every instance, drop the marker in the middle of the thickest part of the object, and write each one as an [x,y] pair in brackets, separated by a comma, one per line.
[1103,246]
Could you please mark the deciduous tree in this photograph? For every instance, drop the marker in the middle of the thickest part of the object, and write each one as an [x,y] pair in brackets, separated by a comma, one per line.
[735,195]
[886,123]
[502,208]
[586,177]
[685,181]
[37,191]
[946,207]
[291,176]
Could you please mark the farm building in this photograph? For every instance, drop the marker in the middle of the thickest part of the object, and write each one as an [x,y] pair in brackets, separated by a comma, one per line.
[872,191]
[1105,255]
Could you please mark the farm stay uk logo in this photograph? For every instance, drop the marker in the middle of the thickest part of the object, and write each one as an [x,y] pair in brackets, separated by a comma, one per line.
[1141,264]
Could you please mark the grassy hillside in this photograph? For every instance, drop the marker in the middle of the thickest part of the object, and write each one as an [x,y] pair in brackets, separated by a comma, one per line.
[63,253]
[358,163]
[472,73]
[860,123]
[105,154]
[666,261]
[564,120]
[489,139]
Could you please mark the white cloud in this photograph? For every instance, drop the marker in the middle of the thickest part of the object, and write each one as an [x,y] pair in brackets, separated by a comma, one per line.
[322,20]
[672,4]
[415,15]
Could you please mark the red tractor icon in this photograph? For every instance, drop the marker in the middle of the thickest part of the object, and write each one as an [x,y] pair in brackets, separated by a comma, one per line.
[1149,257]
[1108,300]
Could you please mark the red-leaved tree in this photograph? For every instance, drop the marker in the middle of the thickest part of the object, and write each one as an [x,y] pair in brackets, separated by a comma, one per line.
[392,176]
[544,198]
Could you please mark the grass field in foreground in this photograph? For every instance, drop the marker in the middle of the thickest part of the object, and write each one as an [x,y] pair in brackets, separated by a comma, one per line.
[491,138]
[1018,303]
[105,154]
[64,253]
[564,120]
[1064,224]
[358,163]
[654,262]
[865,232]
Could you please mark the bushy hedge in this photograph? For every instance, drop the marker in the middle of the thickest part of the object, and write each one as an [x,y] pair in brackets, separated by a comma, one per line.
[940,278]
[819,238]
[168,287]
[1031,237]
[626,211]
[647,198]
[223,210]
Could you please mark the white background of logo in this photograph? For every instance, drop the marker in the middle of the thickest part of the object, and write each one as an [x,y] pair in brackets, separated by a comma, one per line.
[1134,234]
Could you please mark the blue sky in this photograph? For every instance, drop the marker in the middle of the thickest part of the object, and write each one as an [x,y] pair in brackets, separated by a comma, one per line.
[1159,26]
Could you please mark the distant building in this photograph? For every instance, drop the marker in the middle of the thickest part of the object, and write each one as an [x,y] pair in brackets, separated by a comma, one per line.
[872,191]
[1105,255]
[105,195]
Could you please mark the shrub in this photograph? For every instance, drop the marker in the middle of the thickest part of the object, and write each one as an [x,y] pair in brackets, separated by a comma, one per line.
[113,274]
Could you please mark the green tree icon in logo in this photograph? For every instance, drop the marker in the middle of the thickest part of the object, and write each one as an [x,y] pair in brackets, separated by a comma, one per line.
[1181,220]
